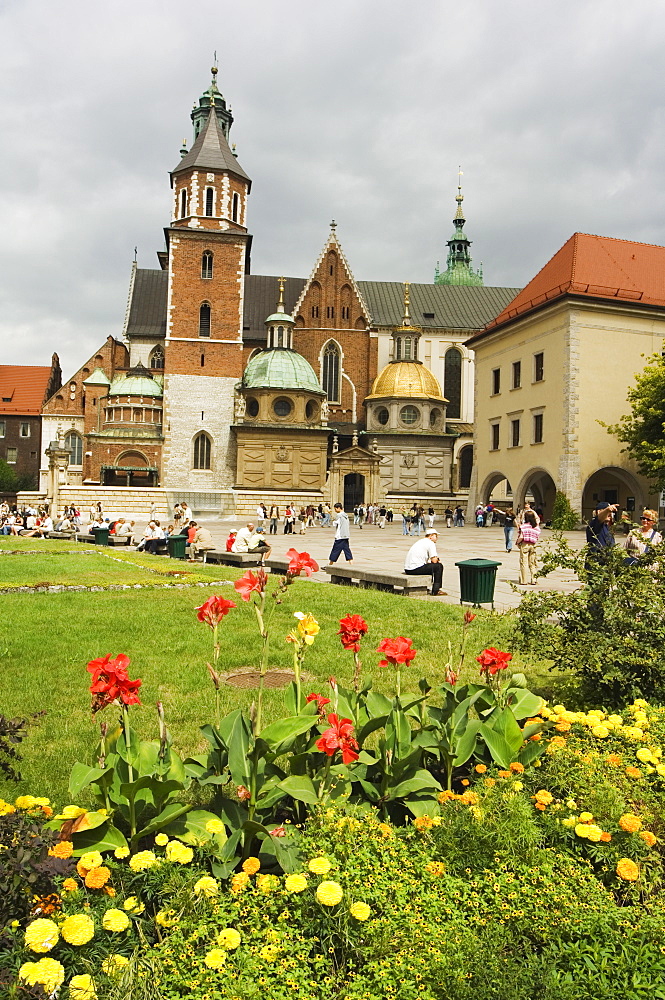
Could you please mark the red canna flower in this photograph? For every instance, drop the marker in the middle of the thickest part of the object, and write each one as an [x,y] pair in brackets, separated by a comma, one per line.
[214,610]
[468,617]
[321,702]
[301,562]
[244,794]
[111,683]
[399,650]
[492,660]
[352,629]
[278,831]
[251,583]
[451,677]
[339,737]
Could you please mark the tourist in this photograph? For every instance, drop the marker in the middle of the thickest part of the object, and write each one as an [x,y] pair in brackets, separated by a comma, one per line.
[325,519]
[202,542]
[527,539]
[459,517]
[509,528]
[342,535]
[422,559]
[274,518]
[289,518]
[382,516]
[640,541]
[598,533]
[243,538]
[449,515]
[153,538]
[186,512]
[230,540]
[431,514]
[258,543]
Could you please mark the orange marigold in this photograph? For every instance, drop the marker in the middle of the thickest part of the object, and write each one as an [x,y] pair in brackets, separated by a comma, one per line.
[445,796]
[490,782]
[539,805]
[556,743]
[544,796]
[628,870]
[97,878]
[605,837]
[516,767]
[469,799]
[630,823]
[109,890]
[503,774]
[613,759]
[81,869]
[648,837]
[562,727]
[633,772]
[70,885]
[480,768]
[64,849]
[535,738]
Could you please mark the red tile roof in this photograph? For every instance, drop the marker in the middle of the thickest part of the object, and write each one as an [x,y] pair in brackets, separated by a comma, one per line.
[595,267]
[23,388]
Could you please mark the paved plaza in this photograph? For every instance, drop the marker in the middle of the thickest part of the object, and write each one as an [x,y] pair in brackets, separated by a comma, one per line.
[384,549]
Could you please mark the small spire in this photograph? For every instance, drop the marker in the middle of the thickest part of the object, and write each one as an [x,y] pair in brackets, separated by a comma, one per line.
[407,317]
[333,225]
[183,148]
[459,198]
[135,253]
[280,304]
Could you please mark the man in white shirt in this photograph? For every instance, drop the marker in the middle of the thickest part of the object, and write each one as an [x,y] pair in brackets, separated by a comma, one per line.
[154,537]
[243,538]
[422,559]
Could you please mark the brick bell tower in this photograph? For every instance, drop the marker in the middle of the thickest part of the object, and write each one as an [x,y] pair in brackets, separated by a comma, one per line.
[207,258]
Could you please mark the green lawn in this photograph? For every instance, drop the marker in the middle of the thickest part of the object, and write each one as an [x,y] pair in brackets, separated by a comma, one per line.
[46,641]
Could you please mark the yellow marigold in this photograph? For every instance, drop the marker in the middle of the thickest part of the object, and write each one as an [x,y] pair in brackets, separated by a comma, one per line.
[542,795]
[586,817]
[214,826]
[600,732]
[385,830]
[207,886]
[251,865]
[359,911]
[144,859]
[446,796]
[630,823]
[480,768]
[64,849]
[25,802]
[605,837]
[5,809]
[82,987]
[516,767]
[98,877]
[329,893]
[490,782]
[69,885]
[41,935]
[179,853]
[161,840]
[648,837]
[435,868]
[115,920]
[518,786]
[644,755]
[114,964]
[594,833]
[632,733]
[269,952]
[267,883]
[78,929]
[92,859]
[295,883]
[422,823]
[467,799]
[660,769]
[569,821]
[133,905]
[215,958]
[556,743]
[319,866]
[239,882]
[121,852]
[633,772]
[582,830]
[46,972]
[229,938]
[165,918]
[628,870]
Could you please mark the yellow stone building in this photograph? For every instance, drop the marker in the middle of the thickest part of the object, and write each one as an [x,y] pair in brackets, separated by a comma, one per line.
[556,365]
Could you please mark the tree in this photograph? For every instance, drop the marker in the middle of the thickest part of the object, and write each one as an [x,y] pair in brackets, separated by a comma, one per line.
[643,429]
[564,517]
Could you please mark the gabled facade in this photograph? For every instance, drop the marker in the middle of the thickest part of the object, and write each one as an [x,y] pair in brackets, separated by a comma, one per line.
[23,391]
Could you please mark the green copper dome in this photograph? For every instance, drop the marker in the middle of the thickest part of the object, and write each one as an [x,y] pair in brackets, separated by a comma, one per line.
[280,368]
[135,385]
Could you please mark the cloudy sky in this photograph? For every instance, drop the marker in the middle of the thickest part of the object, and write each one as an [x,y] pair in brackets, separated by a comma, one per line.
[359,110]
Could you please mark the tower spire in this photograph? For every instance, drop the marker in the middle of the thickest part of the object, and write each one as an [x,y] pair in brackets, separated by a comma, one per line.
[458,262]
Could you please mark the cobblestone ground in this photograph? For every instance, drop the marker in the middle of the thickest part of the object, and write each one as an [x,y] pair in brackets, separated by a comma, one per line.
[385,548]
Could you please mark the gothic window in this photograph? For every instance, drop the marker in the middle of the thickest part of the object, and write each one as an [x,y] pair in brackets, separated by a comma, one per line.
[330,312]
[204,320]
[235,211]
[183,203]
[157,358]
[452,382]
[206,264]
[74,444]
[465,461]
[331,366]
[209,200]
[202,450]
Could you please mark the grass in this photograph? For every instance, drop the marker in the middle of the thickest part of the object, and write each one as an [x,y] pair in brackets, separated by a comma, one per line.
[46,640]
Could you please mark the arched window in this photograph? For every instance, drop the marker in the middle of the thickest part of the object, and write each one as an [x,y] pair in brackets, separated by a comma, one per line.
[157,358]
[204,320]
[206,264]
[331,366]
[183,203]
[209,199]
[235,211]
[74,444]
[202,448]
[452,382]
[465,462]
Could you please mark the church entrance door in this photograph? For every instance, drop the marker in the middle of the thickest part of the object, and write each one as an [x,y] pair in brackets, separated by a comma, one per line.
[354,490]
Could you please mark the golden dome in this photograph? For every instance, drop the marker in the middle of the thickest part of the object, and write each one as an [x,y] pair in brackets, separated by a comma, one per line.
[406,380]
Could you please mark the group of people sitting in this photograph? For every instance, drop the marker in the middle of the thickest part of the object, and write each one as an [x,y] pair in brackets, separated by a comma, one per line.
[249,539]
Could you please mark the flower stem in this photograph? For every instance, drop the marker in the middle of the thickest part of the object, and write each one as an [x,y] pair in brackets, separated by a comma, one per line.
[265,635]
[130,773]
[357,667]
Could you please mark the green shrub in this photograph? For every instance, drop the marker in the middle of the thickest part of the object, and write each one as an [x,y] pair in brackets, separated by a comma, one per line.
[564,518]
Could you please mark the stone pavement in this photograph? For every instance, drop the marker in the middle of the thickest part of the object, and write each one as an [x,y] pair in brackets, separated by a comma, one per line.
[385,548]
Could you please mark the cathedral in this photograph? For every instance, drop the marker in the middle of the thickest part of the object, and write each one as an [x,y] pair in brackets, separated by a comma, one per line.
[226,387]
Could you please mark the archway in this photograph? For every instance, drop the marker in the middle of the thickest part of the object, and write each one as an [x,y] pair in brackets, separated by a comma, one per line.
[495,487]
[539,488]
[354,490]
[465,466]
[614,485]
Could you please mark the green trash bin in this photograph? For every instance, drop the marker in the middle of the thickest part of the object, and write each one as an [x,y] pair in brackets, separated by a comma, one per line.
[176,545]
[477,578]
[101,536]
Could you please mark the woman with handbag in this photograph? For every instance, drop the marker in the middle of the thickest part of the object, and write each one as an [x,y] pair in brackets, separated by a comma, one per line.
[527,539]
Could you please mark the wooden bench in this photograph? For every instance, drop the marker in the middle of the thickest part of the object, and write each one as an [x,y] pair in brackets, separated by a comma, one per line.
[277,565]
[84,536]
[351,576]
[231,558]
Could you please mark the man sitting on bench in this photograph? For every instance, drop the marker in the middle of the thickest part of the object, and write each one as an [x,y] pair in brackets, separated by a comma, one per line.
[422,560]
